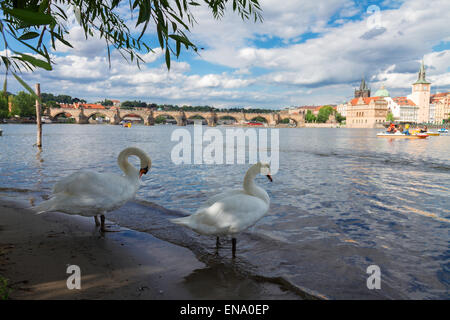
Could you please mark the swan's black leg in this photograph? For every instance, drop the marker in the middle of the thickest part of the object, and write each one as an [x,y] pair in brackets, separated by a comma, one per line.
[102,218]
[233,247]
[103,226]
[97,223]
[217,243]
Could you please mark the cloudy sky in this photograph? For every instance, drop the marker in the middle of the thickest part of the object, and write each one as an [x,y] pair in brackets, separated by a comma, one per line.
[305,52]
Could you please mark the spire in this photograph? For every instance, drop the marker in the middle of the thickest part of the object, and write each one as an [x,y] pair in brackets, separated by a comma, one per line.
[363,90]
[363,84]
[421,76]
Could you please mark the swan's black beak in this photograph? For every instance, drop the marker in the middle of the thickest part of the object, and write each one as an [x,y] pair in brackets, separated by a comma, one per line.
[143,171]
[269,177]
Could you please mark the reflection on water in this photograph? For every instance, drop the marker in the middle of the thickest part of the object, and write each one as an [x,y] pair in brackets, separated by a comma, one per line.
[341,201]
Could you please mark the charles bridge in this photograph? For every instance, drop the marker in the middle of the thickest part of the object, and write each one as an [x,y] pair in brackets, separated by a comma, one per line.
[116,115]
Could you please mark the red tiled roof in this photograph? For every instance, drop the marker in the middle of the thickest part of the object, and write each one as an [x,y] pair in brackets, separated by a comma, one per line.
[92,106]
[403,101]
[354,101]
[438,96]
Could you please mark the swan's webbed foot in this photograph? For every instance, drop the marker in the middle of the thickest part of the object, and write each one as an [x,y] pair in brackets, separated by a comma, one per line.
[104,227]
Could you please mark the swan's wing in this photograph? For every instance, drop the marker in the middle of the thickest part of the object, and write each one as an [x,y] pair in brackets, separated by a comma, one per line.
[220,196]
[86,191]
[94,184]
[231,214]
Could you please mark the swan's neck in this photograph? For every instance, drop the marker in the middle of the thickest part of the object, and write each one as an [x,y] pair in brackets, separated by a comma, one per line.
[127,168]
[251,187]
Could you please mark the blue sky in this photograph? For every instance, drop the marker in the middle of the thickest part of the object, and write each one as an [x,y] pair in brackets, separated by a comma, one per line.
[305,52]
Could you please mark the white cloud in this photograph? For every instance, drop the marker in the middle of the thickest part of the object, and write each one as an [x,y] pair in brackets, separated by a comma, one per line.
[322,69]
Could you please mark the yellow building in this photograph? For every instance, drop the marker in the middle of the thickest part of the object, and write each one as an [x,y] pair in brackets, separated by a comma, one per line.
[366,112]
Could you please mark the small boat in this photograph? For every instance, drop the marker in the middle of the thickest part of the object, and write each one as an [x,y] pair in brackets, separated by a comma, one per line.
[443,130]
[254,123]
[430,133]
[402,135]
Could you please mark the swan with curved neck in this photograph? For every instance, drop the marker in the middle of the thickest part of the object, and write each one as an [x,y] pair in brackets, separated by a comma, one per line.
[90,193]
[232,212]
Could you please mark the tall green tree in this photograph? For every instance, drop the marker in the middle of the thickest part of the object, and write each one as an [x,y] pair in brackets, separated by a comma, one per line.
[107,103]
[25,23]
[24,105]
[310,117]
[340,118]
[324,114]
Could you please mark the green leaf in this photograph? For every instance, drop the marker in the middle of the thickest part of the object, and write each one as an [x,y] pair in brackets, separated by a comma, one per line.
[167,57]
[62,39]
[43,6]
[29,35]
[36,62]
[182,39]
[31,17]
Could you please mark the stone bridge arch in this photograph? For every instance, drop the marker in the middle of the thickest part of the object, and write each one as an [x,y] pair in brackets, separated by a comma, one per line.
[238,116]
[210,117]
[146,115]
[111,114]
[271,118]
[179,117]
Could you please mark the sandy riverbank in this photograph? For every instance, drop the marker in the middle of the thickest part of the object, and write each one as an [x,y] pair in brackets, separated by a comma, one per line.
[36,249]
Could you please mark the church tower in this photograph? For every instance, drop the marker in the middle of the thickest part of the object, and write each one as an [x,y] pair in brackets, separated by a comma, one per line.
[421,96]
[363,91]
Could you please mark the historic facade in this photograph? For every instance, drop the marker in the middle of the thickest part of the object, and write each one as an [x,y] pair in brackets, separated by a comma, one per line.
[367,112]
[440,104]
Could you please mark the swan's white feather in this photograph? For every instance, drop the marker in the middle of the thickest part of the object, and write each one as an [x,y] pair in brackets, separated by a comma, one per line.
[230,214]
[90,193]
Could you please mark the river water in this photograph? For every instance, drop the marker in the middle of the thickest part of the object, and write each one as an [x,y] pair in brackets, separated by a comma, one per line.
[342,200]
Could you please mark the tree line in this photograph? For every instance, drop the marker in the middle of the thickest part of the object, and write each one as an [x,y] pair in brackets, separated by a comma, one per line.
[323,115]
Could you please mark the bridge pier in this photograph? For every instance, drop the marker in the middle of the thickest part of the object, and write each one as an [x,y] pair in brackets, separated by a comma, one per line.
[149,121]
[81,119]
[114,119]
[180,121]
[211,122]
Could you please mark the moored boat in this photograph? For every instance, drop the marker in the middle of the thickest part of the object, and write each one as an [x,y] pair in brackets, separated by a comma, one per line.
[443,130]
[402,135]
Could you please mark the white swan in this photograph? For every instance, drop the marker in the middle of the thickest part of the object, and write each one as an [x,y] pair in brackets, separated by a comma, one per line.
[89,193]
[231,212]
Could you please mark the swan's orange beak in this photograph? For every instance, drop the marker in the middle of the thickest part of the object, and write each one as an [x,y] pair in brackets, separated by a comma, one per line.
[269,177]
[143,171]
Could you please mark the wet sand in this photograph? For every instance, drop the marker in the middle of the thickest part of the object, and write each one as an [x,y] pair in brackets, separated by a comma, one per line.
[35,251]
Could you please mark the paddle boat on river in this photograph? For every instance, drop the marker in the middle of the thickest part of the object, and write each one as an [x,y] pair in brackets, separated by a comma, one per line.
[402,135]
[443,130]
